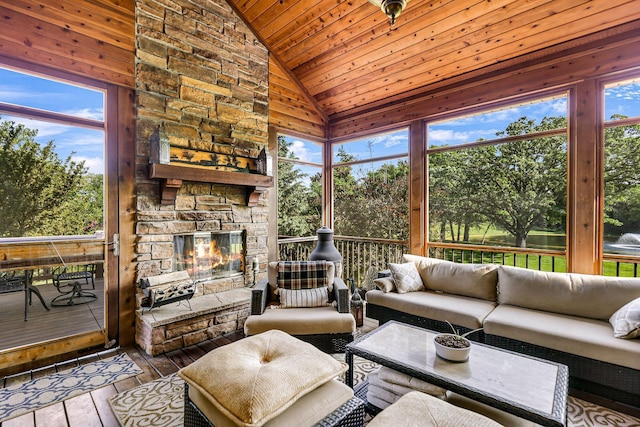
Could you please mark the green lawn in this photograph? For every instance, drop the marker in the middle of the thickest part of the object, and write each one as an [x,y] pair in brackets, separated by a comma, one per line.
[537,239]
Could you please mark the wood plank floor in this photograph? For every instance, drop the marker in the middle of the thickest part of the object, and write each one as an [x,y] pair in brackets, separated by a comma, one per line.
[43,325]
[92,409]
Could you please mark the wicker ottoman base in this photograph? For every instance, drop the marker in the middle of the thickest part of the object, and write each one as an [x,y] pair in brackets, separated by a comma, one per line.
[350,414]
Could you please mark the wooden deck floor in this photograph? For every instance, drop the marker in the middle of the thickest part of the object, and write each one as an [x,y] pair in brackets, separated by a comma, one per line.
[92,409]
[43,325]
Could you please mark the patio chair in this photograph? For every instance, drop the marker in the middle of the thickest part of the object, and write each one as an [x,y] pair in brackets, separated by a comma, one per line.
[306,300]
[11,281]
[70,285]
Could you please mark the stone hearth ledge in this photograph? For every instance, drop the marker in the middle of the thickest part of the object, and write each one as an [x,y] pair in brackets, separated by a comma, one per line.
[200,305]
[174,326]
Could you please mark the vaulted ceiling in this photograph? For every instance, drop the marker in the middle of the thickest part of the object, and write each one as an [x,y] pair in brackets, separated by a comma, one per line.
[330,58]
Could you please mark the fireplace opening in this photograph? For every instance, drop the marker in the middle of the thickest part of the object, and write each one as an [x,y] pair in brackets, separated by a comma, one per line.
[209,255]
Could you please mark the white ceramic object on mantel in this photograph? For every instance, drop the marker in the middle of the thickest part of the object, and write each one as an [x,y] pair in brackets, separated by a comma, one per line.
[452,354]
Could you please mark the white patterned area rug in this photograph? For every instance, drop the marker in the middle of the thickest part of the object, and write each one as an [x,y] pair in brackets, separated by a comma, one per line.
[19,399]
[160,403]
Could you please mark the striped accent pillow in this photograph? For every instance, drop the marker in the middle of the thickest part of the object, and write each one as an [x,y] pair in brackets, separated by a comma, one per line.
[296,298]
[302,274]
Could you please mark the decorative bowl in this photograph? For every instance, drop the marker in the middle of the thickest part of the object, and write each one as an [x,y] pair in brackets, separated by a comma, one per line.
[452,354]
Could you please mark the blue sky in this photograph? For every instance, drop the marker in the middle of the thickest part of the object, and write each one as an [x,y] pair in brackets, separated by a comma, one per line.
[81,144]
[88,145]
[624,100]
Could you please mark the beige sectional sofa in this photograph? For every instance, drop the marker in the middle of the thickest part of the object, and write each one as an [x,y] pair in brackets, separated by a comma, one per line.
[564,317]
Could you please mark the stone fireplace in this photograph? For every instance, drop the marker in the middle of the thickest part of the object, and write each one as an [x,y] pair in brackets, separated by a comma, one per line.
[201,88]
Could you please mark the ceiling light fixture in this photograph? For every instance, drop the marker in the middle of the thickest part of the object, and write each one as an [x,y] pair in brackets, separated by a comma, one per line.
[391,8]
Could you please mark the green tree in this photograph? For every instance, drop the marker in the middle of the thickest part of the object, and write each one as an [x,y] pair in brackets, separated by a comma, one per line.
[35,182]
[346,198]
[521,185]
[385,204]
[296,217]
[371,201]
[622,178]
[80,214]
[451,191]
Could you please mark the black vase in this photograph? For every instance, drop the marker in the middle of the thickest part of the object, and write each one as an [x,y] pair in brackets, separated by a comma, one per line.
[326,250]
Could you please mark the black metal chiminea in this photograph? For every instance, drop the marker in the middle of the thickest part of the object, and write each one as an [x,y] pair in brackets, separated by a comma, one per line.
[326,250]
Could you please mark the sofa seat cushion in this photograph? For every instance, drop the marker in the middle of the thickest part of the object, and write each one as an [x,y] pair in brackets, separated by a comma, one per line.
[306,411]
[419,409]
[584,295]
[459,310]
[502,417]
[470,280]
[301,321]
[254,380]
[585,337]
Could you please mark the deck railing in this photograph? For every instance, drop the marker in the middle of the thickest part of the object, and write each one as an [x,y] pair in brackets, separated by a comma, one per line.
[359,254]
[534,259]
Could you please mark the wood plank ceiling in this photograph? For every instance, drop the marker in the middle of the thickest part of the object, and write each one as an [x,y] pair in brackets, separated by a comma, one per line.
[344,57]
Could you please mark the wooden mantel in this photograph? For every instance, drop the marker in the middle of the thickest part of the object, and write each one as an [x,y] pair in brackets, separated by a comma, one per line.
[171,177]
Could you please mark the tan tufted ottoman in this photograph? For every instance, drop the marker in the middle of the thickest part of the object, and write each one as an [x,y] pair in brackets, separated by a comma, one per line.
[416,409]
[270,379]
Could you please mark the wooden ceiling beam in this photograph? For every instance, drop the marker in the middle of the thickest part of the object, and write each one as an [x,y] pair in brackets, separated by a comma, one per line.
[555,72]
[620,35]
[451,58]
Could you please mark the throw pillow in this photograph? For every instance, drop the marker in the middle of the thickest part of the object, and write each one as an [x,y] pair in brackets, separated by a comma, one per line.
[293,298]
[626,321]
[302,274]
[406,277]
[385,284]
[257,378]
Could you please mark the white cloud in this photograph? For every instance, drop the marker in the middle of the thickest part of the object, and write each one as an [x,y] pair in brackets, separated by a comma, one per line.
[45,129]
[301,149]
[93,140]
[397,139]
[87,113]
[448,136]
[11,95]
[559,106]
[93,164]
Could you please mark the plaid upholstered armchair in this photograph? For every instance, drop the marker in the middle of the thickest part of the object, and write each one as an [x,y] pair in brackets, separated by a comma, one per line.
[306,300]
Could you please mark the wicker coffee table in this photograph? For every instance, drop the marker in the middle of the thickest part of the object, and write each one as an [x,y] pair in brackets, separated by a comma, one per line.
[528,387]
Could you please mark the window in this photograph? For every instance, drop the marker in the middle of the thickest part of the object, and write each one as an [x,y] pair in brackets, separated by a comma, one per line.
[299,187]
[51,157]
[621,173]
[499,178]
[370,187]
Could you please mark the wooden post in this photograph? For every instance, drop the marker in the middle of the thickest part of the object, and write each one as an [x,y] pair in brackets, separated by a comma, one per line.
[584,210]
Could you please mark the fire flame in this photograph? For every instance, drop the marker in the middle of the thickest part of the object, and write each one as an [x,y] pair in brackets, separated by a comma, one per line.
[206,257]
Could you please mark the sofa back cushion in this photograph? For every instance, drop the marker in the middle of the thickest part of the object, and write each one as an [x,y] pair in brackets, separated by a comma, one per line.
[470,280]
[584,295]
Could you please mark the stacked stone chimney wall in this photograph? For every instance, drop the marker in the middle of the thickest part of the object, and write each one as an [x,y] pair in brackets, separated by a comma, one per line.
[202,78]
